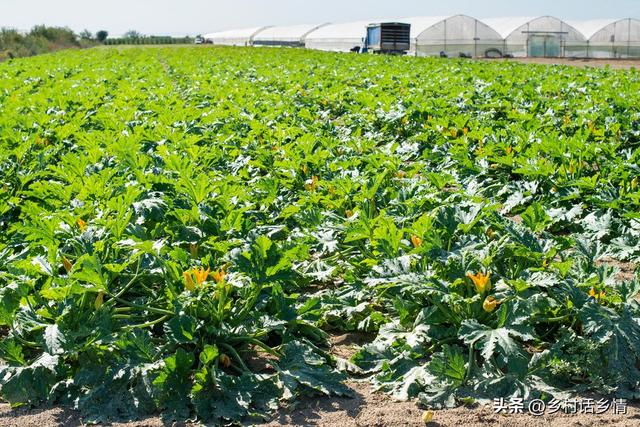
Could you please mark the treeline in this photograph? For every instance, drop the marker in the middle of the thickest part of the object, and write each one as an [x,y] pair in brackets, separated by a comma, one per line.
[41,39]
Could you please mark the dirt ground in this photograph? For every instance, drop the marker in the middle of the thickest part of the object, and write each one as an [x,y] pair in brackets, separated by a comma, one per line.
[617,64]
[367,408]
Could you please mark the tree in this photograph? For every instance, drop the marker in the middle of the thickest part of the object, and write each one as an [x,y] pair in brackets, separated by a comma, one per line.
[102,35]
[132,34]
[86,35]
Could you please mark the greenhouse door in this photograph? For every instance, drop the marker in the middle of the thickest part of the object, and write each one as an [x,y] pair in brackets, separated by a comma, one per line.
[543,46]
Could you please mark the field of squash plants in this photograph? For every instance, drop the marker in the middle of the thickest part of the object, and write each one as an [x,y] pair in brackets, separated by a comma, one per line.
[182,230]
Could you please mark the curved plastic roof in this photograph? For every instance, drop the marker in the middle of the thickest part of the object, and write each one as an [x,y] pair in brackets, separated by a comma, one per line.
[291,32]
[348,30]
[358,29]
[492,28]
[235,34]
[589,28]
[419,24]
[506,26]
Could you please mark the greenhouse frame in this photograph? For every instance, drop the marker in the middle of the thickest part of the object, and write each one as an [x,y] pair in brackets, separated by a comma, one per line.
[293,35]
[611,38]
[461,35]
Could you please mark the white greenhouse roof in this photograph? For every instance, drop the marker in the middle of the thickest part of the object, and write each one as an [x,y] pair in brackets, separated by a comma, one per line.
[358,29]
[354,32]
[348,30]
[507,25]
[235,34]
[419,24]
[297,32]
[590,28]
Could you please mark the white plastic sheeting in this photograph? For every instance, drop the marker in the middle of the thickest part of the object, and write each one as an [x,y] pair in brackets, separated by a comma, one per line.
[455,35]
[611,38]
[338,37]
[461,34]
[430,35]
[293,35]
[542,36]
[241,37]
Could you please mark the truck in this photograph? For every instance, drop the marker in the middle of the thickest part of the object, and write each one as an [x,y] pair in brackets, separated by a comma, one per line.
[391,38]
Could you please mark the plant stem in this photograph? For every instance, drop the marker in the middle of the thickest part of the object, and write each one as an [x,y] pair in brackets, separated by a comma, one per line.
[148,324]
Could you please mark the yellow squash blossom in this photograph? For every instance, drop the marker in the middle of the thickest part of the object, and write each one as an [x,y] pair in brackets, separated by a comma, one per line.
[201,275]
[188,281]
[597,296]
[427,416]
[225,360]
[99,300]
[195,277]
[193,249]
[481,282]
[416,241]
[311,184]
[489,305]
[218,276]
[82,224]
[67,264]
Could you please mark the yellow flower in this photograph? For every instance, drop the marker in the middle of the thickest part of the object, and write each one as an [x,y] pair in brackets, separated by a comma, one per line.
[201,275]
[218,276]
[509,150]
[311,184]
[193,249]
[481,282]
[99,299]
[489,305]
[188,281]
[597,296]
[427,416]
[225,360]
[67,264]
[82,224]
[417,242]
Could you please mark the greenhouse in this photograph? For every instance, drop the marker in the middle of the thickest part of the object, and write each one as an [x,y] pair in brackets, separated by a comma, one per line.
[545,36]
[293,35]
[613,38]
[241,37]
[461,35]
[338,37]
[455,35]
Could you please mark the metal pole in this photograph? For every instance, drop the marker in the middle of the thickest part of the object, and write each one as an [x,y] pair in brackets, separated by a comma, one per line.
[445,35]
[629,38]
[475,41]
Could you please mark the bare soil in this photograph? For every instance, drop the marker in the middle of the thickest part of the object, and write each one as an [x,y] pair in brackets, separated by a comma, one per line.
[617,64]
[367,408]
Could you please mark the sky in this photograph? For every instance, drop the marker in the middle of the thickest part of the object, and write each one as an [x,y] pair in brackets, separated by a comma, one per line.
[192,17]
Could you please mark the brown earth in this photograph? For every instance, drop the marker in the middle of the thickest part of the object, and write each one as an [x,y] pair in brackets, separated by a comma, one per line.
[366,408]
[617,64]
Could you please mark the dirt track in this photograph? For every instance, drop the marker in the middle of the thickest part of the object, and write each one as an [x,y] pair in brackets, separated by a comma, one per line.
[617,64]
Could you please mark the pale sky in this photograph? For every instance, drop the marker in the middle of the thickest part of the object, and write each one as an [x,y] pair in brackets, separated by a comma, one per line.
[182,17]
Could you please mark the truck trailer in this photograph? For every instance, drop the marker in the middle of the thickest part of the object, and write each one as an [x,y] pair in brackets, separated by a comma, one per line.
[393,38]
